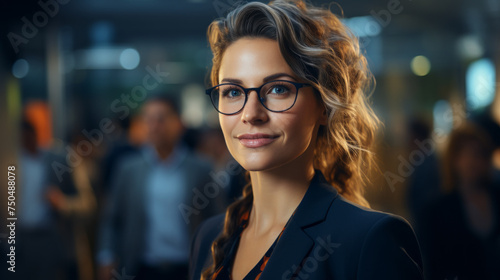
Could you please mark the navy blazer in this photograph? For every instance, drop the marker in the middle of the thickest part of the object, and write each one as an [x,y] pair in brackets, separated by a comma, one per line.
[328,238]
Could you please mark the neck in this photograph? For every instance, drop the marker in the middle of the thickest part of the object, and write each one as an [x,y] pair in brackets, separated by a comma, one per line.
[277,193]
[164,151]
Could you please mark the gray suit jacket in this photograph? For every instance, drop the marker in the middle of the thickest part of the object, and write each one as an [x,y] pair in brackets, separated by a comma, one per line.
[122,229]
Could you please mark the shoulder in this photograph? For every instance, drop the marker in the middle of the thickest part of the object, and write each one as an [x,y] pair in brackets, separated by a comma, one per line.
[383,244]
[363,223]
[359,218]
[128,170]
[391,249]
[201,242]
[131,161]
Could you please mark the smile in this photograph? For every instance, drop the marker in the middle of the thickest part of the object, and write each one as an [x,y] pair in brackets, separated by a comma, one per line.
[256,140]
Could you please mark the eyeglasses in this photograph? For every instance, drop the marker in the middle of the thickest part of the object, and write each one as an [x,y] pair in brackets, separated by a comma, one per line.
[275,96]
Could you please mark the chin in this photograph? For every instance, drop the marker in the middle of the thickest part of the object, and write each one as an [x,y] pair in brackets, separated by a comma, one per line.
[256,168]
[253,162]
[262,162]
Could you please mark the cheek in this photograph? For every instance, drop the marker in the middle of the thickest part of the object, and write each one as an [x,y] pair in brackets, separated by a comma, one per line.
[227,124]
[298,124]
[298,134]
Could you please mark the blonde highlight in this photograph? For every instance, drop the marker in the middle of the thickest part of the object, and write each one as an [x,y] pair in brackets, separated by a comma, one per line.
[323,52]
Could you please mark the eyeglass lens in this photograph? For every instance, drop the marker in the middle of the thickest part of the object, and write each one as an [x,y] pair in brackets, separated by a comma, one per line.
[275,96]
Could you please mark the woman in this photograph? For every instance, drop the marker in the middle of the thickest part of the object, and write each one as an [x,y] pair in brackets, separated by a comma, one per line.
[461,234]
[288,84]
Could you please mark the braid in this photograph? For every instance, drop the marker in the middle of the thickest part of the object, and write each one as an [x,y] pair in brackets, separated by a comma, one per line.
[233,214]
[321,50]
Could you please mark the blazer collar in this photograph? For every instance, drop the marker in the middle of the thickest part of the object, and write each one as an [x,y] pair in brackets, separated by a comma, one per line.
[295,243]
[315,203]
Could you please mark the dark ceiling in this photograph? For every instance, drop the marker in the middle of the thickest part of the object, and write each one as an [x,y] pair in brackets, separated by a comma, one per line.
[151,20]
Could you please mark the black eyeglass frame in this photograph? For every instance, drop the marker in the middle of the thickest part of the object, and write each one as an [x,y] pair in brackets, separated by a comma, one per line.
[298,86]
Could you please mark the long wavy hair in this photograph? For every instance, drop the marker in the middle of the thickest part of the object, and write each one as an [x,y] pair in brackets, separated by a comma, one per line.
[319,49]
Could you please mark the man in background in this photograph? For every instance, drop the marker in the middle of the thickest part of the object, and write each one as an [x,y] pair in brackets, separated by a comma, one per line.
[158,198]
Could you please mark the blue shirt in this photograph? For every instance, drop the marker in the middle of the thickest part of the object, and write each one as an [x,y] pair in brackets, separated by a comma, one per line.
[166,233]
[34,209]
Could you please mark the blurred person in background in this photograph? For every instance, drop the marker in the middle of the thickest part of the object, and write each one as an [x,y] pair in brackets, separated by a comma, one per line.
[424,182]
[79,209]
[119,146]
[39,247]
[53,241]
[462,232]
[145,229]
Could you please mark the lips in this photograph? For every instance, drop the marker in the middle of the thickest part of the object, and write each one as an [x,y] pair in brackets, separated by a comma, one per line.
[256,140]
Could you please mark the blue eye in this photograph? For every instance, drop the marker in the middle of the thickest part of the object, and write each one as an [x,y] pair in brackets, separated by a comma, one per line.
[279,89]
[232,92]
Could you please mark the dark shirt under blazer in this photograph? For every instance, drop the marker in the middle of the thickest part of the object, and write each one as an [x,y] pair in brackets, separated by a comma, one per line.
[329,238]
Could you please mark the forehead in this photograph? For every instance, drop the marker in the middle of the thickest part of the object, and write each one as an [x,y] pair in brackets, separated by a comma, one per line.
[252,59]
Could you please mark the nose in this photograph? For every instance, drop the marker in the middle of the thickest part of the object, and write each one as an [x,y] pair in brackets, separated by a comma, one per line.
[254,112]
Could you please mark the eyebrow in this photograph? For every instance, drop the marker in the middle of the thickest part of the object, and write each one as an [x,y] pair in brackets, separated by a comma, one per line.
[266,79]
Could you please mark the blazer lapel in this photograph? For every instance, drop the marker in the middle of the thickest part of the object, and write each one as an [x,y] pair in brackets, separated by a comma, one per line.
[295,243]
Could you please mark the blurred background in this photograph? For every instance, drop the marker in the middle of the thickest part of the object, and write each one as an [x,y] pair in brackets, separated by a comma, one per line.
[74,75]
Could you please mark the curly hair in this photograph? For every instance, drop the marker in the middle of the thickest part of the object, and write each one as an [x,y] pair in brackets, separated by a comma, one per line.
[321,50]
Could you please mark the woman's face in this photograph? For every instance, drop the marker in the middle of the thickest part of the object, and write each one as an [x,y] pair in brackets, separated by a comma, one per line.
[257,138]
